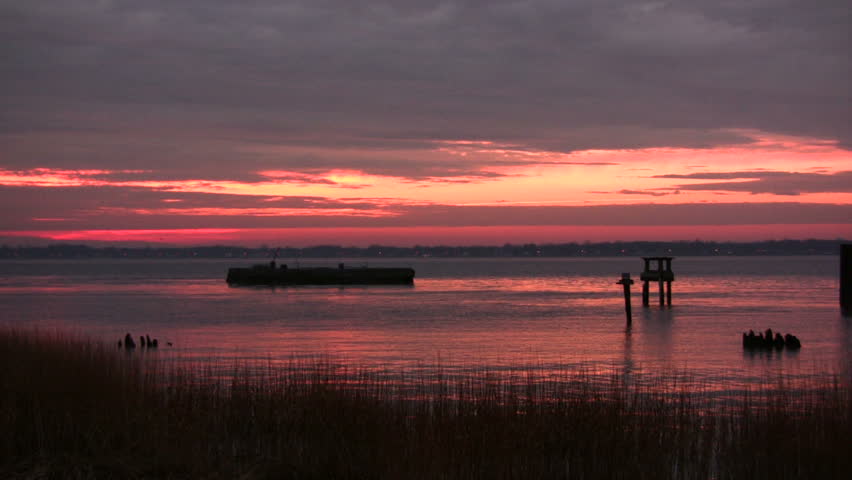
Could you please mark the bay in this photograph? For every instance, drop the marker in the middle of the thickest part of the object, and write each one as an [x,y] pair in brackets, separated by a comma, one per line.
[461,315]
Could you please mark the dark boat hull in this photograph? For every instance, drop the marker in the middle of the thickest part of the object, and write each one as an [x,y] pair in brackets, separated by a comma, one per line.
[264,275]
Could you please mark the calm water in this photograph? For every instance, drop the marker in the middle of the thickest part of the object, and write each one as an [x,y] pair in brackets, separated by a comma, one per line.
[540,315]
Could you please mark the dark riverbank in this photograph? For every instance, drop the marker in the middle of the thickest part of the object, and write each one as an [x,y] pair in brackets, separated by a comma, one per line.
[73,408]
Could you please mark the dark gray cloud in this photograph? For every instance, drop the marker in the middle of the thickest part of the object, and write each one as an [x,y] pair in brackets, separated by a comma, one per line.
[70,207]
[175,86]
[462,216]
[160,156]
[776,183]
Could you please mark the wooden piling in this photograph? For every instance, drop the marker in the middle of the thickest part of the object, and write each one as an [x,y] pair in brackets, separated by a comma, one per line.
[846,279]
[669,281]
[626,282]
[669,293]
[646,294]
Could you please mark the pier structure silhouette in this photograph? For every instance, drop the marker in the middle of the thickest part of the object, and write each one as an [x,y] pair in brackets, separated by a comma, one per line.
[662,274]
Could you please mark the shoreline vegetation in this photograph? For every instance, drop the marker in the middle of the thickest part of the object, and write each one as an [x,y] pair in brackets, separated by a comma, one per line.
[550,250]
[72,407]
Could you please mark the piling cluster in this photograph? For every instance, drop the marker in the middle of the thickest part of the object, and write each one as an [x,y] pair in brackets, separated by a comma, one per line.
[767,341]
[145,341]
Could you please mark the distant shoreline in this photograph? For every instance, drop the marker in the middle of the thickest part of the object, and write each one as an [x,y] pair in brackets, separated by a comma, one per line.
[529,250]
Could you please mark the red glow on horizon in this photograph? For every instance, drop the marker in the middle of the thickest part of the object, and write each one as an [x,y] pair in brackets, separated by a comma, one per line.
[177,236]
[411,236]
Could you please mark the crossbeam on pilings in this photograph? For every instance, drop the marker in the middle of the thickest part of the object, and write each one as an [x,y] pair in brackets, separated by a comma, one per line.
[662,275]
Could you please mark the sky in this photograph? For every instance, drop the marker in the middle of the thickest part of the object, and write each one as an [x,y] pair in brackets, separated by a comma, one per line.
[420,122]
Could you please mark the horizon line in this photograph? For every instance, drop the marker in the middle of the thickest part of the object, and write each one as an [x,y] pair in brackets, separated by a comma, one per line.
[266,246]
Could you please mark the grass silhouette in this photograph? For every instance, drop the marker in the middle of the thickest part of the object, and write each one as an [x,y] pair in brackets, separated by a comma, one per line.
[71,407]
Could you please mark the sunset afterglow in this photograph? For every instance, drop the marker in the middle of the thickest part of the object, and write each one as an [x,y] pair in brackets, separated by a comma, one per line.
[360,147]
[425,239]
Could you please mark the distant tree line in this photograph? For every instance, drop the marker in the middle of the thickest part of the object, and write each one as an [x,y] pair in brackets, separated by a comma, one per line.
[599,249]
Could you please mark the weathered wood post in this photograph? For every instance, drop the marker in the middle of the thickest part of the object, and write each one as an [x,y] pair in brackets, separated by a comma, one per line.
[669,281]
[660,282]
[846,279]
[646,288]
[626,282]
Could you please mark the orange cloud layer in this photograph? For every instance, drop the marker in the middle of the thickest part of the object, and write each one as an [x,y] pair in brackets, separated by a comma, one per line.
[466,173]
[520,175]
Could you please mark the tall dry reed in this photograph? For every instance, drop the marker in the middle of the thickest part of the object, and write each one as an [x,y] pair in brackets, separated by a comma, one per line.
[74,408]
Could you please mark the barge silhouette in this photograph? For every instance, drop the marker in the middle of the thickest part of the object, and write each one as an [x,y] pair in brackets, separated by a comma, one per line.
[270,274]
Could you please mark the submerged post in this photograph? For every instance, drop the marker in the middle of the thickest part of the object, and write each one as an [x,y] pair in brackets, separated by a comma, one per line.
[846,279]
[626,282]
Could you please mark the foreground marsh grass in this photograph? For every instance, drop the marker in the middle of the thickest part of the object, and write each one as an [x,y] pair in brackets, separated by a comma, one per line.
[74,408]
